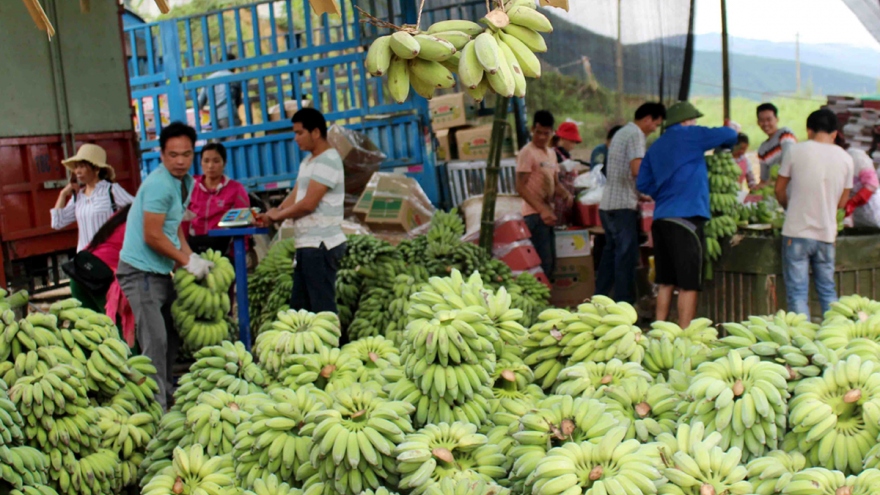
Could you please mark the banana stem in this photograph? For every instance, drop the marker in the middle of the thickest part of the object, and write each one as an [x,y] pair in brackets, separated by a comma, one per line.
[493,165]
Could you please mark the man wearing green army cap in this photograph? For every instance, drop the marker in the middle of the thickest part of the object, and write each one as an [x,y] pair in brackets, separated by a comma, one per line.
[674,174]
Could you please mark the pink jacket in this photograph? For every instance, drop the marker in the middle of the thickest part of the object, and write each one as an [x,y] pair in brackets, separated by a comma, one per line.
[117,304]
[208,207]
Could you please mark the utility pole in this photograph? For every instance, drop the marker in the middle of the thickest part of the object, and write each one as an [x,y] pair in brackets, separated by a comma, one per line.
[725,60]
[797,61]
[619,63]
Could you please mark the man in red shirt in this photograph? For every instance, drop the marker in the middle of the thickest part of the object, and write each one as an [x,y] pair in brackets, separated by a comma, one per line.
[537,182]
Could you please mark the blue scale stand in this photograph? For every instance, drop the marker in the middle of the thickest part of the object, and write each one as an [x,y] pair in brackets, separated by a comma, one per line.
[238,224]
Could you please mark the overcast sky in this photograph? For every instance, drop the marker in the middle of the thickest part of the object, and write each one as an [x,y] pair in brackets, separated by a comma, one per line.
[817,21]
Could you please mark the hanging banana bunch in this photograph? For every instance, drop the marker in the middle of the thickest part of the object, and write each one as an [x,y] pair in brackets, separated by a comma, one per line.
[496,57]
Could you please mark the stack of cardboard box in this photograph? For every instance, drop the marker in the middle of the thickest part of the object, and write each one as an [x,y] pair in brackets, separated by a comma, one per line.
[574,278]
[393,206]
[460,133]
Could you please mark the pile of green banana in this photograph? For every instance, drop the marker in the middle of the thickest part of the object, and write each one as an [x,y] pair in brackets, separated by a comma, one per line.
[854,307]
[513,390]
[498,57]
[760,213]
[271,284]
[360,251]
[327,370]
[23,470]
[723,201]
[202,306]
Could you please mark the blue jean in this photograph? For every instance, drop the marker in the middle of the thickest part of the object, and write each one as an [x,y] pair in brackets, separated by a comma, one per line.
[617,269]
[798,257]
[544,241]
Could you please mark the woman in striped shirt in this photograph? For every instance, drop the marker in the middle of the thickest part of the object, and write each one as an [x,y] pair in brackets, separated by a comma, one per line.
[90,200]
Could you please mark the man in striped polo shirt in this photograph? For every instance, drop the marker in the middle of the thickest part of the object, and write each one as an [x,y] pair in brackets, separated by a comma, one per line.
[780,139]
[316,206]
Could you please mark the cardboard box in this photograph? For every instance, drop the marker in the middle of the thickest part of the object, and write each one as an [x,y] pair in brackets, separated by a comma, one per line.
[454,110]
[358,152]
[572,243]
[573,282]
[444,146]
[473,143]
[399,204]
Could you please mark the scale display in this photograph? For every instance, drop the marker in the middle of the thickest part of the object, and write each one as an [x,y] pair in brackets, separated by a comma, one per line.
[238,217]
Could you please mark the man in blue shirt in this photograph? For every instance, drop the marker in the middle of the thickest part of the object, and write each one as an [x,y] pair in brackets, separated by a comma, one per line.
[674,174]
[154,245]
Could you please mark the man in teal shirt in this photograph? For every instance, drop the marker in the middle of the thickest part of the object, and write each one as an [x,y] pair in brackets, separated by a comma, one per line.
[154,245]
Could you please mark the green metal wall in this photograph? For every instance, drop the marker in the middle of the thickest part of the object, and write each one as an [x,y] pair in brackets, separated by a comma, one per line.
[88,78]
[748,277]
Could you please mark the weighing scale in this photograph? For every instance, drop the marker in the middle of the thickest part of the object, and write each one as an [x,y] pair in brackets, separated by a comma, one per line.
[237,217]
[238,224]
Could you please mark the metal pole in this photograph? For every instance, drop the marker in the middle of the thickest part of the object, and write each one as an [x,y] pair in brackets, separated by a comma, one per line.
[619,62]
[797,61]
[725,60]
[493,164]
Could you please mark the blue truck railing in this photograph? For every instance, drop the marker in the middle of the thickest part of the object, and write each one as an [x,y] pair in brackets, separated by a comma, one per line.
[285,57]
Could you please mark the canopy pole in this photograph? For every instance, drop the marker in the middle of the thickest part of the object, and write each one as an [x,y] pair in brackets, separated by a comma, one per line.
[725,60]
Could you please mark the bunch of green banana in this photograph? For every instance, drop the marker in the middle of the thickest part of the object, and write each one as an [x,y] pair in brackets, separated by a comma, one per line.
[854,307]
[529,295]
[700,331]
[835,418]
[543,346]
[786,338]
[192,472]
[296,332]
[556,421]
[353,441]
[510,403]
[271,284]
[276,439]
[11,423]
[819,481]
[412,58]
[588,379]
[127,436]
[138,396]
[771,473]
[664,356]
[846,337]
[216,415]
[39,330]
[108,369]
[404,286]
[202,305]
[227,367]
[271,485]
[361,250]
[474,410]
[376,310]
[744,399]
[500,436]
[723,201]
[92,473]
[513,390]
[172,432]
[375,354]
[444,337]
[648,408]
[13,301]
[614,334]
[694,465]
[447,451]
[449,486]
[611,466]
[328,370]
[22,466]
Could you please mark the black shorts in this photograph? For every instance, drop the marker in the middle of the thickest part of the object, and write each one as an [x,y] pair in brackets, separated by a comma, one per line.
[678,252]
